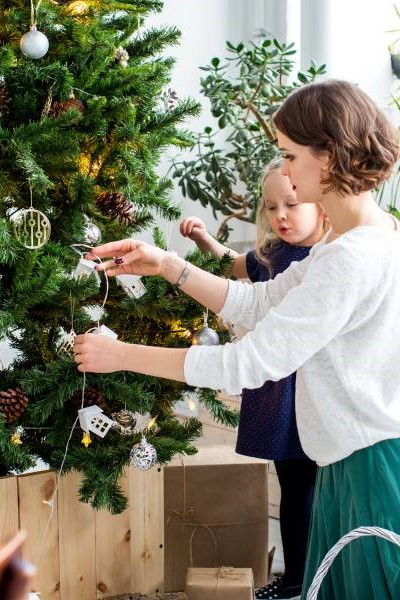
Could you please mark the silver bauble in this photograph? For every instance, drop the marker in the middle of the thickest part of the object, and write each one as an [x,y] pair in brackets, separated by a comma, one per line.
[205,337]
[34,44]
[143,455]
[91,233]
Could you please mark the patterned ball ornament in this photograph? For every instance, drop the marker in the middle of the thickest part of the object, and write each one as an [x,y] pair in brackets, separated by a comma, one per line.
[205,337]
[143,455]
[31,228]
[34,44]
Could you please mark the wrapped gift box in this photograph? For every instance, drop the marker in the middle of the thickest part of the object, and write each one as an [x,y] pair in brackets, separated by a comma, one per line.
[216,513]
[224,583]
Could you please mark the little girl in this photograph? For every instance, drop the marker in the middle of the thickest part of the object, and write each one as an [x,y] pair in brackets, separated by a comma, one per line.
[286,230]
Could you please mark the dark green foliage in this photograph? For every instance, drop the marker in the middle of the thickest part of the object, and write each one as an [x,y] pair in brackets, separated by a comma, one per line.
[244,92]
[63,154]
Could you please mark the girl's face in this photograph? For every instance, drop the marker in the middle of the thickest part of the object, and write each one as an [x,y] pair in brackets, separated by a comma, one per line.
[294,222]
[304,169]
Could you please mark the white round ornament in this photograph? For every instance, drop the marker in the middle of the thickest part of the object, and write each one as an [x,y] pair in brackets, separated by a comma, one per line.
[31,227]
[143,455]
[205,337]
[91,233]
[34,44]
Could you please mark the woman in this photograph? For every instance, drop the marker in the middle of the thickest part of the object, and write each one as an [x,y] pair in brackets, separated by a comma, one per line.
[333,318]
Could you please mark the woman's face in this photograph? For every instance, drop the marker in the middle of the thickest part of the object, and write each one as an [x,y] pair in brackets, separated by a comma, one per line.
[304,169]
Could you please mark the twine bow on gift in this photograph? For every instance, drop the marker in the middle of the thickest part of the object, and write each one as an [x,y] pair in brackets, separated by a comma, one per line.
[223,576]
[196,527]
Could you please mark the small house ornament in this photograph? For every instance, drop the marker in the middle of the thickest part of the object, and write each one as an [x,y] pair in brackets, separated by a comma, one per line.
[85,268]
[92,419]
[132,285]
[104,330]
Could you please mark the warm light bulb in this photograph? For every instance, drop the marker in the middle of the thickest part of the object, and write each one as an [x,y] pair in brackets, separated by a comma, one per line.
[79,7]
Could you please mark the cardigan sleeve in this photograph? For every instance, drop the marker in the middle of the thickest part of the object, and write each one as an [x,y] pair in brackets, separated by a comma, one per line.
[247,303]
[289,331]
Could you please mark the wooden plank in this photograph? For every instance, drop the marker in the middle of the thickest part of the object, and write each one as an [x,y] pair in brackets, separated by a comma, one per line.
[9,520]
[113,547]
[41,547]
[77,542]
[147,525]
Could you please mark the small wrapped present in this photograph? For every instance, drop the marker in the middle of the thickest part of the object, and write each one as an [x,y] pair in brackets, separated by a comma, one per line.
[223,583]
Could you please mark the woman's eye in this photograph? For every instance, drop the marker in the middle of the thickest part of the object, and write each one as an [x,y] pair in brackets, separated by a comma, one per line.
[291,205]
[271,208]
[288,156]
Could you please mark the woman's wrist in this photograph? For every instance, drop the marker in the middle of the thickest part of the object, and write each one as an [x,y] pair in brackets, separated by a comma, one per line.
[172,267]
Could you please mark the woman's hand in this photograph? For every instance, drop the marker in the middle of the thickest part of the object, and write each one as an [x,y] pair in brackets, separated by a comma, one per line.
[96,353]
[193,228]
[130,256]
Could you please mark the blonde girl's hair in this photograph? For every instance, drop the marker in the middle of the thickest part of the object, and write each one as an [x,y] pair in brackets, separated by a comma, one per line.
[266,239]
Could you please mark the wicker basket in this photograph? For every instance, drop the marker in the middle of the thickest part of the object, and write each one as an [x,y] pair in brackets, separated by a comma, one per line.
[334,551]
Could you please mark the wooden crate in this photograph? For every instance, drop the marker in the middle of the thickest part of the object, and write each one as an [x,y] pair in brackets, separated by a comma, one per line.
[82,554]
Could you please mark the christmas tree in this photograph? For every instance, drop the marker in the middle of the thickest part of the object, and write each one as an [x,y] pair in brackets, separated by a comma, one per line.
[85,115]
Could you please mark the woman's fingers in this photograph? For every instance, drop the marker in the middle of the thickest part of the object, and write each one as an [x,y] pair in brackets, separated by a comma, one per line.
[112,249]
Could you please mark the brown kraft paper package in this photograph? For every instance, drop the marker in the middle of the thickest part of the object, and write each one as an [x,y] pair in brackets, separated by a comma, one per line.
[215,515]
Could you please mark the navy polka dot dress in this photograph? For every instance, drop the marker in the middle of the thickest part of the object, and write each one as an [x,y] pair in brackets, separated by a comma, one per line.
[267,427]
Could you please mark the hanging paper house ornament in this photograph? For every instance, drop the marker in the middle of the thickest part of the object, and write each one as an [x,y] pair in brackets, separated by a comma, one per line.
[103,330]
[132,285]
[85,268]
[143,455]
[31,228]
[93,419]
[34,44]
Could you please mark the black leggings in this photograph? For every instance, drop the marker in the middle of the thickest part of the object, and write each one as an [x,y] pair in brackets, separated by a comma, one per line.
[297,480]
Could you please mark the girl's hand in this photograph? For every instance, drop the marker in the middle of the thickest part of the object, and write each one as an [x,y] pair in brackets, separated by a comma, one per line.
[193,228]
[96,353]
[129,257]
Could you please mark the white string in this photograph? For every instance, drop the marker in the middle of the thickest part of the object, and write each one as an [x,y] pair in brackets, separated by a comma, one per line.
[76,248]
[59,473]
[51,501]
[386,534]
[34,12]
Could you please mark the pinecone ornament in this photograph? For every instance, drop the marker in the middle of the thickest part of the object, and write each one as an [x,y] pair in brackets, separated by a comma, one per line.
[116,206]
[4,97]
[58,107]
[92,396]
[12,404]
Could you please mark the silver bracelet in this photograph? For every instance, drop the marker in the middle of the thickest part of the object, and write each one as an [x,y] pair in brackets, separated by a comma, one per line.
[184,275]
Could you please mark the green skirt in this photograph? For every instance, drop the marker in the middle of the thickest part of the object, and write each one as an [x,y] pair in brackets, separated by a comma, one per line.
[362,489]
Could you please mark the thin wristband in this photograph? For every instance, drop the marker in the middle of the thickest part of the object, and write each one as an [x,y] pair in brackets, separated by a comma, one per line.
[184,275]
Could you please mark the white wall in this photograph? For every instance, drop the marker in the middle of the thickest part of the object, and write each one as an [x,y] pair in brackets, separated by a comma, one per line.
[205,27]
[350,36]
